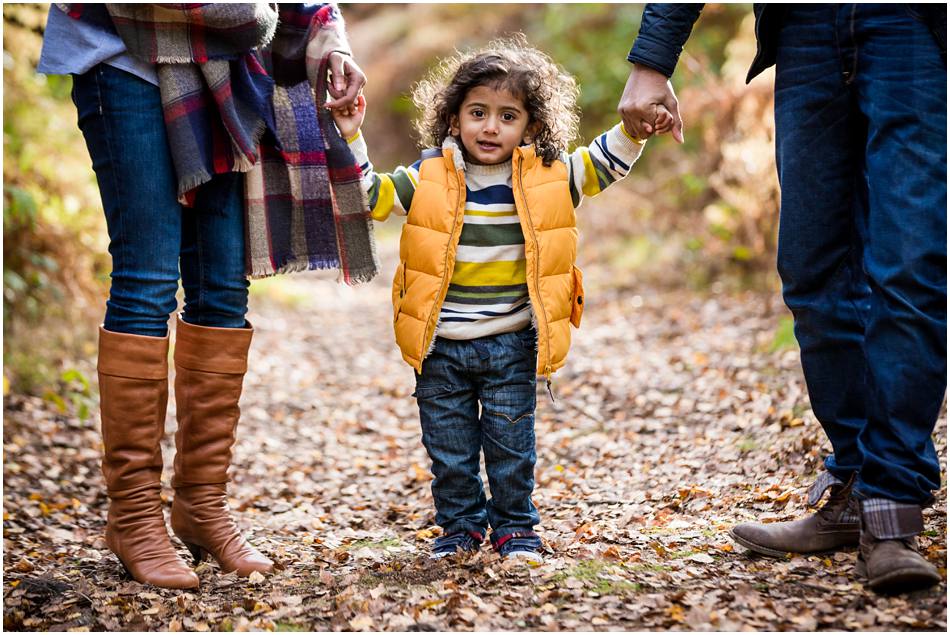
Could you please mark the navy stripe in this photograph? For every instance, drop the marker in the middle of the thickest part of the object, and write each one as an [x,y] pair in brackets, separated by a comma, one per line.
[491,195]
[602,144]
[517,309]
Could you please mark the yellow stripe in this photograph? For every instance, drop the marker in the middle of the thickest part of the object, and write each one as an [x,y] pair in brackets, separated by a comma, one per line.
[384,202]
[591,183]
[354,137]
[512,212]
[484,274]
[636,140]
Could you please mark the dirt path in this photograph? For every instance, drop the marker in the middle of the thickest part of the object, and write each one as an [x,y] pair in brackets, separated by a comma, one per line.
[672,422]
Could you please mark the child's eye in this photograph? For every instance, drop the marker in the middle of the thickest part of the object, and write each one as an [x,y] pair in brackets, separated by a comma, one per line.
[478,113]
[508,116]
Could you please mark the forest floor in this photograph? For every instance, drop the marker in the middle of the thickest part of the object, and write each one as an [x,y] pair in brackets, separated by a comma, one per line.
[676,418]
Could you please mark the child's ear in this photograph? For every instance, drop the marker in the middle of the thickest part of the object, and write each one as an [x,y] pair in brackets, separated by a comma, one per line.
[531,132]
[454,125]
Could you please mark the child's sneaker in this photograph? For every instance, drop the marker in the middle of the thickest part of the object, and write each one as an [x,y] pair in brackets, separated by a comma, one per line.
[521,545]
[450,544]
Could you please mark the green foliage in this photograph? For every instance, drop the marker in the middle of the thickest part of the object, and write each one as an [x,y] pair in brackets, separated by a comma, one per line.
[73,395]
[54,257]
[784,336]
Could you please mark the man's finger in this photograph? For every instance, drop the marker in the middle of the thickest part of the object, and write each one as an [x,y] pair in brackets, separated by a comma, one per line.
[337,74]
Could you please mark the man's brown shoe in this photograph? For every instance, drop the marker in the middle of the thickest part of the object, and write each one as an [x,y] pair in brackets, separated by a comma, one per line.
[832,527]
[894,566]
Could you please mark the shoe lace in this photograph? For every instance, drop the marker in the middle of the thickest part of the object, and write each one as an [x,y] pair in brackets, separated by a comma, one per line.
[838,504]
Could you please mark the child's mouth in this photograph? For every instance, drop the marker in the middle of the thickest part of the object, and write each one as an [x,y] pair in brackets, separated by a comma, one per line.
[488,147]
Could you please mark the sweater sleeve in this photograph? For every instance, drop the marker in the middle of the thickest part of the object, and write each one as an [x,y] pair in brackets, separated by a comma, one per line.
[327,34]
[592,169]
[664,29]
[387,192]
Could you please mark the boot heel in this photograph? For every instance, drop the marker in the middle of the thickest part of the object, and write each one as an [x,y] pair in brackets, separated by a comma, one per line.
[196,552]
[125,568]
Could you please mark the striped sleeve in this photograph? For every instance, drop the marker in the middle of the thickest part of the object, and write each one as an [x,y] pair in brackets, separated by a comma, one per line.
[388,192]
[591,169]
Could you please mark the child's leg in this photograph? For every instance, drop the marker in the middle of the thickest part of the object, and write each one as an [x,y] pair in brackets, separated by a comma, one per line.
[507,393]
[448,410]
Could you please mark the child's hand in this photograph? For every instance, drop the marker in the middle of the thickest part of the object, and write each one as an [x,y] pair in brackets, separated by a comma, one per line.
[663,122]
[349,118]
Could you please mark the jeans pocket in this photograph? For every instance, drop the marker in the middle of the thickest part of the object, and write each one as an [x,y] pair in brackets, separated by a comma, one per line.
[508,417]
[428,391]
[513,403]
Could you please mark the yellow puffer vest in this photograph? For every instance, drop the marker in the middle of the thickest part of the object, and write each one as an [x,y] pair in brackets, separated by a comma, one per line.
[430,240]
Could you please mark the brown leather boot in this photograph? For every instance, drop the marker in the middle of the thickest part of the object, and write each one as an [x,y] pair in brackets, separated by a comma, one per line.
[209,372]
[831,527]
[888,556]
[133,393]
[894,566]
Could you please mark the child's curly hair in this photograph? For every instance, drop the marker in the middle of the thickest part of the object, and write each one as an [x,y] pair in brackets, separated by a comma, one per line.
[549,93]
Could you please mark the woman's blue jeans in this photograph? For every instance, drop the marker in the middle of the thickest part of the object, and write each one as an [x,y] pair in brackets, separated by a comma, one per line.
[861,147]
[479,395]
[150,234]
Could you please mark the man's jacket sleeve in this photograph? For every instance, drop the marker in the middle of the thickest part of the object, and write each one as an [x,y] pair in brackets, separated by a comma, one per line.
[664,29]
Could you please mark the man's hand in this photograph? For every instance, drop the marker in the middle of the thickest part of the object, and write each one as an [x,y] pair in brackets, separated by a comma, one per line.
[349,118]
[645,97]
[346,81]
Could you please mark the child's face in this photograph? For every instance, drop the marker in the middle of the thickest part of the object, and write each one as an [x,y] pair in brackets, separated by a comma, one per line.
[491,123]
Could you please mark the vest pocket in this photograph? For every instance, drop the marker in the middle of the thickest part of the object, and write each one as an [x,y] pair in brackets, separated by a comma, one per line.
[577,297]
[399,289]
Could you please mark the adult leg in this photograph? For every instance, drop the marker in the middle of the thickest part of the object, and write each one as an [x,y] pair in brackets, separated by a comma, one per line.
[819,136]
[121,119]
[211,347]
[448,411]
[507,391]
[902,89]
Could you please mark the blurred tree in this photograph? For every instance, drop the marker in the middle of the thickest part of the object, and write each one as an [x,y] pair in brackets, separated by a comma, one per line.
[54,255]
[695,213]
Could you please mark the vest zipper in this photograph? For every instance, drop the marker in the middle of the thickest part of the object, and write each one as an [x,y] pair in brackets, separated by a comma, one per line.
[448,275]
[537,273]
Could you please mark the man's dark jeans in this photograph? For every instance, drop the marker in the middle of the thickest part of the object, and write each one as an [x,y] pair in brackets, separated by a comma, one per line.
[497,372]
[861,145]
[150,233]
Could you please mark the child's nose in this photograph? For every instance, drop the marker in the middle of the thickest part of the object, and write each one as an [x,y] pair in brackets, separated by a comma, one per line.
[491,125]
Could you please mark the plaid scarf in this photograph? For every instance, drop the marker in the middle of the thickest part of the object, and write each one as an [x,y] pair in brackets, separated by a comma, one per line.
[237,84]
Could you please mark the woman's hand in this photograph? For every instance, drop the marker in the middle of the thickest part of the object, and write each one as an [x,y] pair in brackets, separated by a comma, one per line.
[349,118]
[346,80]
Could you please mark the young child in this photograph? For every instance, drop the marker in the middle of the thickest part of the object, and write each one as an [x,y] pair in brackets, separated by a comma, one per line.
[486,286]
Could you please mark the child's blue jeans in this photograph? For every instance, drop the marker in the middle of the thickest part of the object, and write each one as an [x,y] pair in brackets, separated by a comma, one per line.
[498,373]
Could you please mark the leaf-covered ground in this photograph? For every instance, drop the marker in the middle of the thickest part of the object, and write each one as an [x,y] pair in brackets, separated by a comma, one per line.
[675,418]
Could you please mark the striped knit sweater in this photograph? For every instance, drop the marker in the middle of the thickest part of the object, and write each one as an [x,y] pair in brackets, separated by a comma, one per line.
[488,292]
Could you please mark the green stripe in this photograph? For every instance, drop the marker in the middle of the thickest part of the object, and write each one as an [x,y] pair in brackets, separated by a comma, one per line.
[404,188]
[373,193]
[462,294]
[505,299]
[604,177]
[491,235]
[507,289]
